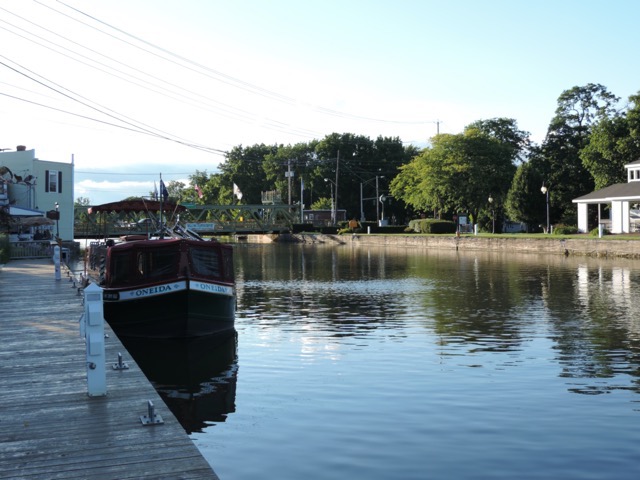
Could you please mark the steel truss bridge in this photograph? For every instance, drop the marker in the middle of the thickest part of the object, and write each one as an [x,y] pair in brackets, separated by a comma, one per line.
[203,219]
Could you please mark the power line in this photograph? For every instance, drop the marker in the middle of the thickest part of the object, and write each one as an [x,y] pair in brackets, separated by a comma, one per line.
[218,107]
[155,174]
[230,80]
[212,150]
[136,126]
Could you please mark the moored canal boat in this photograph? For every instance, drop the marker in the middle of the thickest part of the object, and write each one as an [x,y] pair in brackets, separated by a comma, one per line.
[166,287]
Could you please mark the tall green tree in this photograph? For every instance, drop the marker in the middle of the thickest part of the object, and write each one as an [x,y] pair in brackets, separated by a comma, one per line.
[346,160]
[506,131]
[579,108]
[341,157]
[244,167]
[525,201]
[613,142]
[299,159]
[203,180]
[359,161]
[458,173]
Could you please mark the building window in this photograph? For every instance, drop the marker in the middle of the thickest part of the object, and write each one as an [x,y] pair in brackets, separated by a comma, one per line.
[54,181]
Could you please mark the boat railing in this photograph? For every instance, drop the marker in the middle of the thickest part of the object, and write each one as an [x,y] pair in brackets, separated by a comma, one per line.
[185,232]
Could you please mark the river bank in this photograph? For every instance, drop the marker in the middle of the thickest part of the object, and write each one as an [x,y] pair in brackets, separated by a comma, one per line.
[589,246]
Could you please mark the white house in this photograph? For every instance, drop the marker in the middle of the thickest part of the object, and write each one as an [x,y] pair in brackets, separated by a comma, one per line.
[36,184]
[621,196]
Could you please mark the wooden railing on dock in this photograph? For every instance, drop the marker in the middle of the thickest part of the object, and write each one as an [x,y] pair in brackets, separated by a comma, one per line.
[31,249]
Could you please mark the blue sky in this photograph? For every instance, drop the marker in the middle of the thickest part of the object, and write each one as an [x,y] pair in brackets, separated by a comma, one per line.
[219,74]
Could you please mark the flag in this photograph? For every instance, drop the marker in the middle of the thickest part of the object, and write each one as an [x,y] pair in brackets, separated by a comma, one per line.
[163,191]
[199,191]
[237,192]
[155,191]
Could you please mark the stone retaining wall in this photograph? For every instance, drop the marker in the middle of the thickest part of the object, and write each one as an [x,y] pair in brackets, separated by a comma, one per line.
[593,247]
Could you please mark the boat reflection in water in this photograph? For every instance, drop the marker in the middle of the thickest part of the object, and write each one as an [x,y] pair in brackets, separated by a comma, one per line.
[195,377]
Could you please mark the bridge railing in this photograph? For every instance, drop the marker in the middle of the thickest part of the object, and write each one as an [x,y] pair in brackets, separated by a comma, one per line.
[223,218]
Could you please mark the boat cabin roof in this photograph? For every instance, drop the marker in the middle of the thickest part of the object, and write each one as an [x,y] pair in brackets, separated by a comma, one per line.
[167,242]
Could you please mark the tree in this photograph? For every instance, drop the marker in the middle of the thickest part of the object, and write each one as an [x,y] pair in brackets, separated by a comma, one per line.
[345,159]
[341,159]
[506,131]
[561,166]
[243,166]
[613,143]
[299,159]
[201,179]
[176,190]
[358,160]
[323,203]
[458,173]
[525,202]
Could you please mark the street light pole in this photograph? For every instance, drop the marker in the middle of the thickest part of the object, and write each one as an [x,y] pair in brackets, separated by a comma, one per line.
[57,219]
[493,215]
[333,202]
[361,204]
[376,198]
[377,206]
[545,191]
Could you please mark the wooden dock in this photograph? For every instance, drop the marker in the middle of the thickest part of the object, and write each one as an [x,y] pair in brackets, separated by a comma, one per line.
[49,427]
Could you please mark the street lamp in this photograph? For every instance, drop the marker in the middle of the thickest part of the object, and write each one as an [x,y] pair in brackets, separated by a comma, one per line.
[57,219]
[382,199]
[376,178]
[545,191]
[333,204]
[493,215]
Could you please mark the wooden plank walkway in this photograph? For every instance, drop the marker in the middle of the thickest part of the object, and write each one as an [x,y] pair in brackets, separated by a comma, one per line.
[49,427]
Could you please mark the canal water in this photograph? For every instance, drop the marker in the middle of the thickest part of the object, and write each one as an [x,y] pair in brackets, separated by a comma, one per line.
[373,363]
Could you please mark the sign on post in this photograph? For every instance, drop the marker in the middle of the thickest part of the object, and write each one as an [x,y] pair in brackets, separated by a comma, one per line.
[92,328]
[56,262]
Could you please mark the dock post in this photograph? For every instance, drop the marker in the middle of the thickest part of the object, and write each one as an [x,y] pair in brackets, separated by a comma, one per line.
[92,325]
[56,261]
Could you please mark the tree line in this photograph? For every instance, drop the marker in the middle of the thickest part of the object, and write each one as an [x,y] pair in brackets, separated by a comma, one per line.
[589,140]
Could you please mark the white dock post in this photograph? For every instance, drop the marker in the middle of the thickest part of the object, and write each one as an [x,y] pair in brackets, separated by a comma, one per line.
[93,322]
[56,261]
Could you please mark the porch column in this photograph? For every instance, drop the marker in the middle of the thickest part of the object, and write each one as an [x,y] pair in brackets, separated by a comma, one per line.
[626,226]
[616,217]
[583,224]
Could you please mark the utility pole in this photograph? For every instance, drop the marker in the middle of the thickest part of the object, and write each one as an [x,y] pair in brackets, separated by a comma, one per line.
[336,202]
[289,175]
[377,204]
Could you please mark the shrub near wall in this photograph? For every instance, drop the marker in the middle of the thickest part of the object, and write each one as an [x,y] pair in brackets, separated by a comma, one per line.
[432,225]
[565,230]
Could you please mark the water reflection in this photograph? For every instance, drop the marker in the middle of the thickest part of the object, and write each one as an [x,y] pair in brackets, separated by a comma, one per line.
[473,304]
[598,346]
[196,378]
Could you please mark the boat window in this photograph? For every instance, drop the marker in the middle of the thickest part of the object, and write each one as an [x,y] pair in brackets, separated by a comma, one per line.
[119,271]
[205,262]
[157,263]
